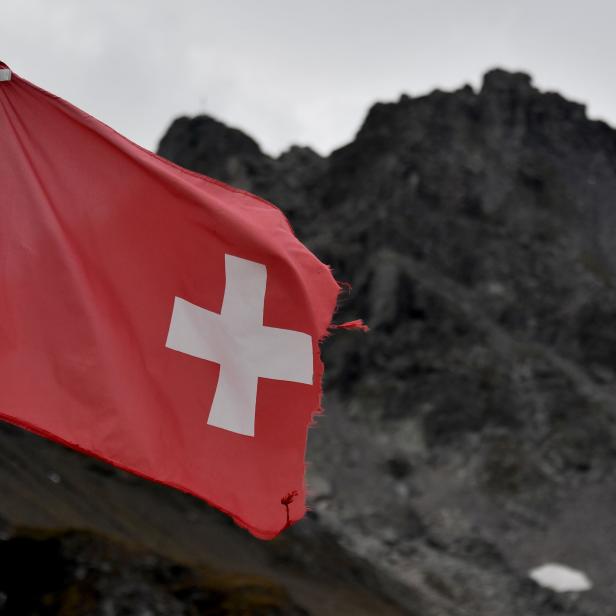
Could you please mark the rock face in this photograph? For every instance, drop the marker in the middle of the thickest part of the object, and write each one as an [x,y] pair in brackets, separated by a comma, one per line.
[81,574]
[471,436]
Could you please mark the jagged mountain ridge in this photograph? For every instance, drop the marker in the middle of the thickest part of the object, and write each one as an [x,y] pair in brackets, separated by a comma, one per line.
[476,229]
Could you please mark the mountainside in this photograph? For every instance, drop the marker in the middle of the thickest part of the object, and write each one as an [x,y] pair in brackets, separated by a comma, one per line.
[81,538]
[470,436]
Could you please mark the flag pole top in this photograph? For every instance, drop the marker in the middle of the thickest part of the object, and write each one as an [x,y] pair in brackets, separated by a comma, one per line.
[5,72]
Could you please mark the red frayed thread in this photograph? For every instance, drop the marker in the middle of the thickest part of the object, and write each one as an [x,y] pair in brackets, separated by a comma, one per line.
[346,287]
[357,324]
[286,501]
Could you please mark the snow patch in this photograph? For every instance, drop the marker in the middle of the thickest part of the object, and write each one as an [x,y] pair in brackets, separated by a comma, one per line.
[560,578]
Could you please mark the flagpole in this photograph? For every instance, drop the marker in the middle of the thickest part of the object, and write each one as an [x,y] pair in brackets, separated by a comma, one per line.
[5,72]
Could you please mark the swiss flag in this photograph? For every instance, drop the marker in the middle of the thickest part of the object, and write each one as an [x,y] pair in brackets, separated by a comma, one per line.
[153,317]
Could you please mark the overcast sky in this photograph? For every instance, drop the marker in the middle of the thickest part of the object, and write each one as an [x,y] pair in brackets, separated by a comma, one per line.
[292,71]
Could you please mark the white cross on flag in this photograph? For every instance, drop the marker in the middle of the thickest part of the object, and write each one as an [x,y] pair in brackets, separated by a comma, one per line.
[153,317]
[244,347]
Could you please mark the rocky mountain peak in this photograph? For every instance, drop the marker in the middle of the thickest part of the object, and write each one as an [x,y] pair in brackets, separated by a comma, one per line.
[205,144]
[477,230]
[499,81]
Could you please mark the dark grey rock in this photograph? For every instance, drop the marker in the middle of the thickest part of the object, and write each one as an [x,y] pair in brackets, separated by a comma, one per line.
[83,574]
[471,435]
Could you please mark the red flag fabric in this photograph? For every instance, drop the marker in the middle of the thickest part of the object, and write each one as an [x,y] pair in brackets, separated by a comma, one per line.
[153,317]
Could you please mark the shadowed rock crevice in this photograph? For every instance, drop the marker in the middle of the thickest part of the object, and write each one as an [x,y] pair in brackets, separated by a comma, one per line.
[71,573]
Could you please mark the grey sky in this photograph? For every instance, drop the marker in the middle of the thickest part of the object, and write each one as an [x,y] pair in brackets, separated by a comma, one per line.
[290,71]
